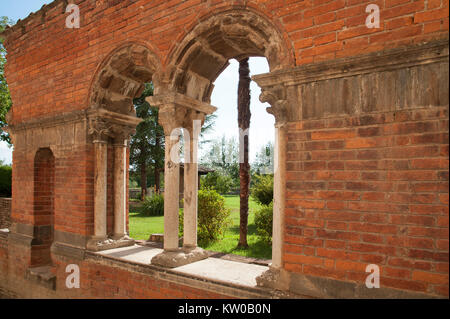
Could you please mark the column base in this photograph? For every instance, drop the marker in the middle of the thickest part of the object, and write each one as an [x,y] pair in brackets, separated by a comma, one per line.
[99,244]
[180,257]
[274,278]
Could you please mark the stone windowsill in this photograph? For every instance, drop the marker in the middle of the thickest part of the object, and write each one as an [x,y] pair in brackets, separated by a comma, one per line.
[219,275]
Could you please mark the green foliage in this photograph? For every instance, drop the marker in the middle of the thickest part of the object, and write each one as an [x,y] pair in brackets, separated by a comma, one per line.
[147,145]
[5,98]
[5,181]
[264,222]
[153,205]
[133,183]
[213,216]
[262,190]
[217,181]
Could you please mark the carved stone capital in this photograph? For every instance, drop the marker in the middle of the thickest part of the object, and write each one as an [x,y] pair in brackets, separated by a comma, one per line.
[194,121]
[104,124]
[276,96]
[100,129]
[122,134]
[179,111]
[171,117]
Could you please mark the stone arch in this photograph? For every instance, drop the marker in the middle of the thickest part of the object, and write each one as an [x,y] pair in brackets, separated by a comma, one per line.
[121,77]
[43,207]
[202,54]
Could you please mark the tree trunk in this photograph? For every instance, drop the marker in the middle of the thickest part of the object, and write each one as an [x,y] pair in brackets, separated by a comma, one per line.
[157,180]
[143,181]
[244,116]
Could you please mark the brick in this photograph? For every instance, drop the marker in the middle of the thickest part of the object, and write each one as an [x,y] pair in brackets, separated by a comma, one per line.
[430,277]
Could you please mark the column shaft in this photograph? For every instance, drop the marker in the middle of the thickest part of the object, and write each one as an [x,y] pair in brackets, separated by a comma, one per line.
[171,194]
[279,196]
[100,185]
[120,184]
[191,193]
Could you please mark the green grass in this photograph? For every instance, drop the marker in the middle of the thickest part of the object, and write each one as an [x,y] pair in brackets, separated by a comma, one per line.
[141,227]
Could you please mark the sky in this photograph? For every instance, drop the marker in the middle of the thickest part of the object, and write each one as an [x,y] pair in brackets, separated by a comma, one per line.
[224,96]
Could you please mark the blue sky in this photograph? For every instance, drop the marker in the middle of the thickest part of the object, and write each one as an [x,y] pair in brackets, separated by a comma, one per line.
[224,96]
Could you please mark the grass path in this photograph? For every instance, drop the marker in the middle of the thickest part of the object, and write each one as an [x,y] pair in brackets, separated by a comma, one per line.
[141,227]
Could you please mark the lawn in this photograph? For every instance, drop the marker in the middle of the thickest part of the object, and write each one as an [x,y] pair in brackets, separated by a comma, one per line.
[141,227]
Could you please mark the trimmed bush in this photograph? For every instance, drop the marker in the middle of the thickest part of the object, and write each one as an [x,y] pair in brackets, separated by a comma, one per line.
[215,180]
[153,205]
[264,222]
[5,181]
[213,217]
[262,191]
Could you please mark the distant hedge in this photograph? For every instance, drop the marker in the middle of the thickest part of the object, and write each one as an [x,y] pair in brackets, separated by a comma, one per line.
[5,181]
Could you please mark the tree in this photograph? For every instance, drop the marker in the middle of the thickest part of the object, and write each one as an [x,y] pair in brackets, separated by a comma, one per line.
[220,182]
[5,98]
[263,163]
[223,156]
[147,145]
[244,116]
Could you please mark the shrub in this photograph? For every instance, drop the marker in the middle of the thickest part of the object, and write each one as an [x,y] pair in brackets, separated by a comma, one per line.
[213,217]
[264,222]
[215,180]
[262,191]
[5,181]
[153,205]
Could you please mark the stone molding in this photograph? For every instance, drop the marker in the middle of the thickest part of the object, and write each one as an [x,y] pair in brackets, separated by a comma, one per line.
[377,82]
[45,122]
[328,288]
[393,59]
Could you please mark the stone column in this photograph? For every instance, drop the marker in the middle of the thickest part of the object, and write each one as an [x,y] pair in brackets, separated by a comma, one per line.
[120,183]
[279,191]
[171,191]
[100,184]
[105,126]
[178,111]
[100,132]
[120,188]
[276,96]
[193,126]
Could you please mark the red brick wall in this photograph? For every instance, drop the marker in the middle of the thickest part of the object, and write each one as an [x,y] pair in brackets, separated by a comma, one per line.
[98,279]
[74,199]
[370,190]
[314,30]
[102,281]
[5,213]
